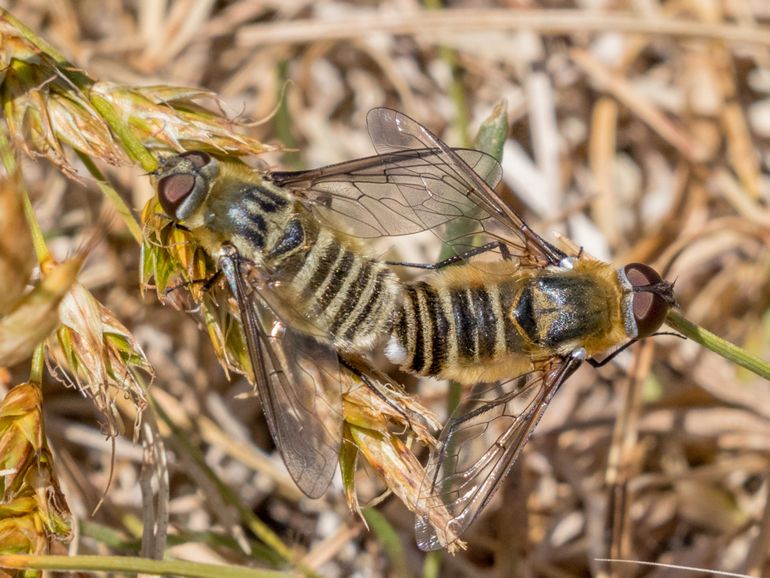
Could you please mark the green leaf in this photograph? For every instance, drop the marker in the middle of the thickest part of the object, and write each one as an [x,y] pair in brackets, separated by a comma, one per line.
[389,540]
[493,131]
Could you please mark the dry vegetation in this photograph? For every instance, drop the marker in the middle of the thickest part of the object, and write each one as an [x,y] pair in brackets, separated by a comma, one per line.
[641,130]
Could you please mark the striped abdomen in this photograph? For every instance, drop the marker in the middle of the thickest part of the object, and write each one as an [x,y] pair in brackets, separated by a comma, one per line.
[319,272]
[341,291]
[351,296]
[494,321]
[444,329]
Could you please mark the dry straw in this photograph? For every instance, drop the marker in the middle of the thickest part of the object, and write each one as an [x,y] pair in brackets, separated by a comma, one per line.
[669,109]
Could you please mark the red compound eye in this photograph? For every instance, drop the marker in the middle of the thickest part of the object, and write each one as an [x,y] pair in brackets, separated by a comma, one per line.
[185,176]
[173,190]
[650,306]
[198,159]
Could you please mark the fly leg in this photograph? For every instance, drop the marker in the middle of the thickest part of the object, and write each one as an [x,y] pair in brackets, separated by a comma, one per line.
[492,246]
[595,363]
[207,284]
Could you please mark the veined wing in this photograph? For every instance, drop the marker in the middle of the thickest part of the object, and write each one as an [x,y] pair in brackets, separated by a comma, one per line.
[390,194]
[480,444]
[297,377]
[393,132]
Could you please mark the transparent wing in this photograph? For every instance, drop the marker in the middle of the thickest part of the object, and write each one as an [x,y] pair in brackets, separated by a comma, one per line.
[418,183]
[479,445]
[392,194]
[462,185]
[297,377]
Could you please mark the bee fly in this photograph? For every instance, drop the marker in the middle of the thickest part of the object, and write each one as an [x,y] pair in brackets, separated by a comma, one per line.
[310,299]
[312,302]
[518,326]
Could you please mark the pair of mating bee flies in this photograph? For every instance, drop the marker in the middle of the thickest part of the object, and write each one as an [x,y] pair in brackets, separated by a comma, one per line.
[313,303]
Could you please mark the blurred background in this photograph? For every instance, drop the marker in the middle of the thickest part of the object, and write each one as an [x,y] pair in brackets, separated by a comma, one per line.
[640,129]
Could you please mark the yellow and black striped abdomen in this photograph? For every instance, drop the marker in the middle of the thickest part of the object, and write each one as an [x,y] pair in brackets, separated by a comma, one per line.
[343,292]
[320,276]
[475,323]
[457,331]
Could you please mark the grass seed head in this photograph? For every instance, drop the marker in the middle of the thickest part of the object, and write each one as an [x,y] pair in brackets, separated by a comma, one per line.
[45,106]
[48,103]
[170,117]
[33,511]
[99,356]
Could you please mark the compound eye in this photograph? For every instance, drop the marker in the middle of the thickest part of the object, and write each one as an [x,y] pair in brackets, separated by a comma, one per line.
[173,190]
[198,159]
[650,308]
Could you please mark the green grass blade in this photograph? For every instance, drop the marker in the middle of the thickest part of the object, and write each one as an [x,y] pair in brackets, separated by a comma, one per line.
[720,346]
[112,195]
[136,565]
[431,568]
[390,540]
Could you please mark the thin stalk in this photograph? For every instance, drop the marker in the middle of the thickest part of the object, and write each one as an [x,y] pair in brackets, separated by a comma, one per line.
[9,163]
[29,35]
[132,564]
[133,147]
[458,21]
[720,346]
[117,201]
[256,525]
[389,540]
[37,365]
[431,568]
[290,159]
[456,88]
